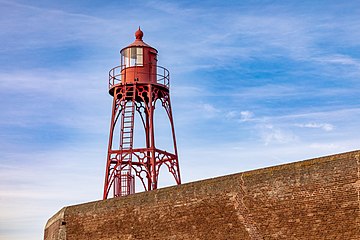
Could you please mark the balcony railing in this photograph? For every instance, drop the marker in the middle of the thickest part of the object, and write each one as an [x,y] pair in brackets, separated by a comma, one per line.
[117,75]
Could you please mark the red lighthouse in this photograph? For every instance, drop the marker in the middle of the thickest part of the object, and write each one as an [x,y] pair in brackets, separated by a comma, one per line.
[136,85]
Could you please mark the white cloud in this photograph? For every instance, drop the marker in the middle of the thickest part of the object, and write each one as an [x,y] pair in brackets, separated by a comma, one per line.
[271,134]
[231,114]
[209,109]
[323,114]
[324,126]
[33,189]
[340,59]
[269,91]
[187,91]
[51,26]
[242,116]
[246,116]
[327,146]
[344,65]
[198,160]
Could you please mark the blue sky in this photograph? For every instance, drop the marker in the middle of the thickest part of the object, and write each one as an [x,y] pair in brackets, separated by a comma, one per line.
[253,84]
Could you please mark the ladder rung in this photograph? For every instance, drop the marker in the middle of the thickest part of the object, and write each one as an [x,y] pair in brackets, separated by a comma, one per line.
[128,123]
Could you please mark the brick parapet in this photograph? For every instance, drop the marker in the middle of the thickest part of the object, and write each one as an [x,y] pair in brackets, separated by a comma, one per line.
[312,199]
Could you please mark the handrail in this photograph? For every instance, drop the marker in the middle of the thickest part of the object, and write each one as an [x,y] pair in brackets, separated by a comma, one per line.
[116,75]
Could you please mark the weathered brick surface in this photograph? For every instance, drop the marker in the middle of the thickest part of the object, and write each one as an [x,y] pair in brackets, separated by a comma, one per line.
[55,228]
[313,199]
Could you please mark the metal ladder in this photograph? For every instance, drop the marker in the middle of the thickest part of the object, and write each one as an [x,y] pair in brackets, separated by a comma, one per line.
[126,180]
[127,121]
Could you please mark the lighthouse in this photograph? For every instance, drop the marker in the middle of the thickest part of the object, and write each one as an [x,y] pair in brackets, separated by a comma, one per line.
[136,85]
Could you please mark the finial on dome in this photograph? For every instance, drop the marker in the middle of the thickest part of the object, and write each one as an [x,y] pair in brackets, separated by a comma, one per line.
[139,34]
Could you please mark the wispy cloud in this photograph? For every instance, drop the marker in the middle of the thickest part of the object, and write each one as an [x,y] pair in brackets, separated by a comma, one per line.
[324,126]
[32,23]
[271,134]
[246,116]
[35,184]
[272,76]
[242,116]
[340,59]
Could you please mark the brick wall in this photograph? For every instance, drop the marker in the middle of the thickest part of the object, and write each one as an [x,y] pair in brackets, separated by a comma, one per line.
[313,199]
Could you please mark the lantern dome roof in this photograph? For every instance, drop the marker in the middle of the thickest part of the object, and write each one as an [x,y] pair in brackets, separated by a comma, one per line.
[138,40]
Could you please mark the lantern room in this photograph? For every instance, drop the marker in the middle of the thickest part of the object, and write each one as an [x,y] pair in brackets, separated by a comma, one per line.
[138,64]
[139,61]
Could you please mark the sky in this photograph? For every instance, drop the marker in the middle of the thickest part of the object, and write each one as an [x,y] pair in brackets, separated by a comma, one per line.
[253,84]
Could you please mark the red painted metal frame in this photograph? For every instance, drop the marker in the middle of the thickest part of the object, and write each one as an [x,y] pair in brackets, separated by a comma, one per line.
[144,162]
